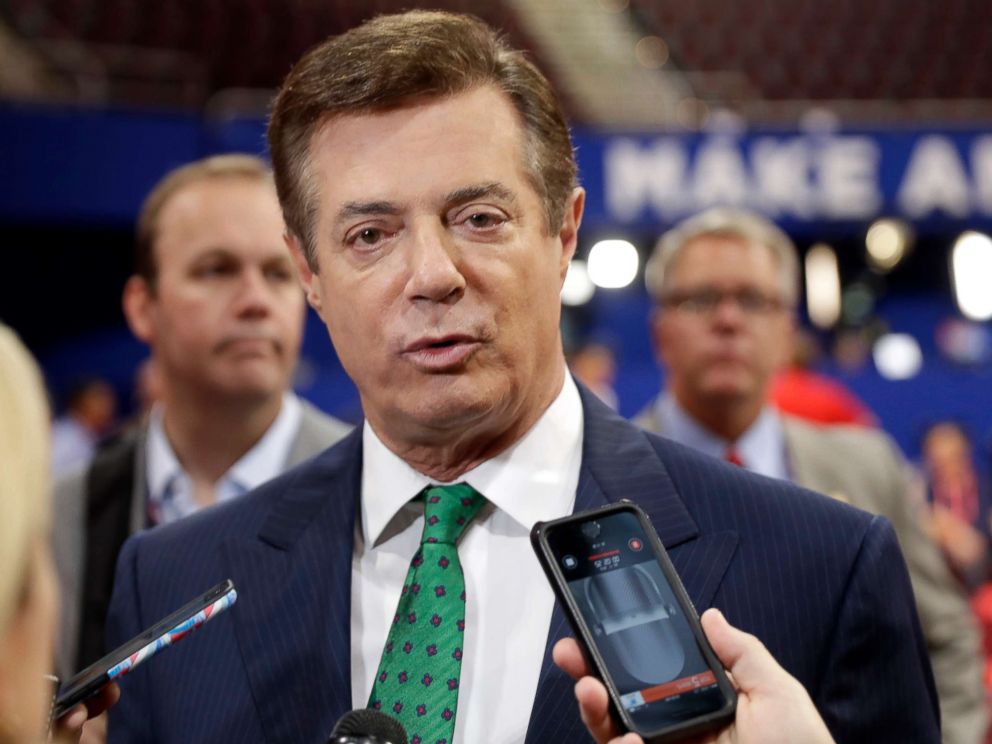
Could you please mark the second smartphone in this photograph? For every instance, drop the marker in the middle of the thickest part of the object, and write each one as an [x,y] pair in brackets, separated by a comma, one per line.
[637,626]
[143,646]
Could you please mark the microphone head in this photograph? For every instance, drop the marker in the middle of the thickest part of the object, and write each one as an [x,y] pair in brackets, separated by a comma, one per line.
[366,726]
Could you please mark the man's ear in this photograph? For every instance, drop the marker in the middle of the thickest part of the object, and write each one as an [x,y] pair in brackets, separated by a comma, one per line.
[311,287]
[138,302]
[569,233]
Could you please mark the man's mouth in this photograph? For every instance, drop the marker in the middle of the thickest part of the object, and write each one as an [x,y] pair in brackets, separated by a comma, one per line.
[441,353]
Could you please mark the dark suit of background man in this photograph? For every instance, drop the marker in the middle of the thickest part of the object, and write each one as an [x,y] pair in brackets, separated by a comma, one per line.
[217,299]
[428,183]
[725,285]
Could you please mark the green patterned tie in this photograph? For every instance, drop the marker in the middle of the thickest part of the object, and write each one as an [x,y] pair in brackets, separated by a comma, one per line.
[417,681]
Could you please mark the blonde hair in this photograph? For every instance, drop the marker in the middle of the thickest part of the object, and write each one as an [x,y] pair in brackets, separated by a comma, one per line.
[24,479]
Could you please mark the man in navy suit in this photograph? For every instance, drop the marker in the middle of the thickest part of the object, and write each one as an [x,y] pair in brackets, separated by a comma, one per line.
[428,183]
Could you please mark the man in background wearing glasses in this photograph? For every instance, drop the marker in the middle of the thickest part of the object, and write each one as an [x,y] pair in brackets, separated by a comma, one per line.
[725,286]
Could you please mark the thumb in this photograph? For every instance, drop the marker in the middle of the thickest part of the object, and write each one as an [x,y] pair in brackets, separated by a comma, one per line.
[747,659]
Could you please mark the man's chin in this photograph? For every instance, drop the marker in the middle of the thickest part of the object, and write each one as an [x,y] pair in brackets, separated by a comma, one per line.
[728,392]
[442,410]
[250,388]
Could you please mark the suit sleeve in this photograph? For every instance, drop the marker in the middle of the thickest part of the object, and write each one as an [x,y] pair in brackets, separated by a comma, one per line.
[876,683]
[948,624]
[131,720]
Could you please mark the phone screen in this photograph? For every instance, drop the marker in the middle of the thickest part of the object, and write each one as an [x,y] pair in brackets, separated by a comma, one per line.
[640,629]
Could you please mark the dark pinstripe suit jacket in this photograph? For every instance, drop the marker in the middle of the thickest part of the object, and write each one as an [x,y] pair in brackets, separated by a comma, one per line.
[822,584]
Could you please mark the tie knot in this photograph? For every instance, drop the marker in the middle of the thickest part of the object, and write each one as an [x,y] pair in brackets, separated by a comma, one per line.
[733,457]
[448,511]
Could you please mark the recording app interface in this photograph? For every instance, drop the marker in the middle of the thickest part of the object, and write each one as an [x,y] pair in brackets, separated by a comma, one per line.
[641,631]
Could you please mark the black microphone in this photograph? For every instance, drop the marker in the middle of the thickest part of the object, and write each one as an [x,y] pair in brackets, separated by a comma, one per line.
[367,726]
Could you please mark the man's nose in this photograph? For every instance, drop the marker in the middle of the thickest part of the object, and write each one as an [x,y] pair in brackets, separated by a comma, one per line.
[728,311]
[434,259]
[254,294]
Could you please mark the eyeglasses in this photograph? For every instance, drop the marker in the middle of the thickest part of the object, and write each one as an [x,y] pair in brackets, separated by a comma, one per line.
[706,301]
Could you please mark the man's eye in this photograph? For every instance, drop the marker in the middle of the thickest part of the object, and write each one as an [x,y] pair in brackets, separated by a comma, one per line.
[370,236]
[705,301]
[212,270]
[483,220]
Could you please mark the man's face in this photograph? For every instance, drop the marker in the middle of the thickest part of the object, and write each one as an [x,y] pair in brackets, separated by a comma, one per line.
[722,352]
[437,279]
[226,314]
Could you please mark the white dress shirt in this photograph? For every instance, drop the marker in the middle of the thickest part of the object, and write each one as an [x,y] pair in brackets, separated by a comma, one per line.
[170,490]
[509,601]
[761,447]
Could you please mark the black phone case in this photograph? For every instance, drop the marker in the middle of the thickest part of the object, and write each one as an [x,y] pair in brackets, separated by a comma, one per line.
[586,640]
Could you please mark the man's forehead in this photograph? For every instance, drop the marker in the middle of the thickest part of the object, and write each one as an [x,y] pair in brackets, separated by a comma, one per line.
[469,125]
[227,192]
[224,213]
[754,257]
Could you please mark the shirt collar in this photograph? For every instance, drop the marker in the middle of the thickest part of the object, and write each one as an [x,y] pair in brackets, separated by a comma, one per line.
[161,464]
[761,446]
[534,479]
[265,460]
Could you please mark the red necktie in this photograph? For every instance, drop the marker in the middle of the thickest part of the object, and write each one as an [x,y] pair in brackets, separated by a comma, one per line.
[733,458]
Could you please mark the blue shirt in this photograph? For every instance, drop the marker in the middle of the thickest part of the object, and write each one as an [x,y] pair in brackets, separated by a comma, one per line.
[170,491]
[761,447]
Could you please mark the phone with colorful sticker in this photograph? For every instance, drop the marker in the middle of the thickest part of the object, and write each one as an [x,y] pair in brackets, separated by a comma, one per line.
[143,646]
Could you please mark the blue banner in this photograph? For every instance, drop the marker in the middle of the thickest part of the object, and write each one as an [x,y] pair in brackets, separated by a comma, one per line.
[931,178]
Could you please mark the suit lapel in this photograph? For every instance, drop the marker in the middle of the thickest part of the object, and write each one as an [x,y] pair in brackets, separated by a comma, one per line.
[619,462]
[294,581]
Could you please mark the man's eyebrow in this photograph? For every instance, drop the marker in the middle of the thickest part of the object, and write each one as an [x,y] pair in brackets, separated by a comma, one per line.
[363,209]
[478,191]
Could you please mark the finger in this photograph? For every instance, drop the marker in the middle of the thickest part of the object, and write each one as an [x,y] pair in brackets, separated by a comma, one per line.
[72,721]
[568,656]
[594,707]
[744,656]
[105,699]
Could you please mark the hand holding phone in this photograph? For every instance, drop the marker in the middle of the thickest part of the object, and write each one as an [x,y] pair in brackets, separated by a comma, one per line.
[146,644]
[635,624]
[91,713]
[772,707]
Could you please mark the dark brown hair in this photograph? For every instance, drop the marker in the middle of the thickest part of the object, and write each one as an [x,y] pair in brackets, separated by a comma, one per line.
[392,61]
[219,166]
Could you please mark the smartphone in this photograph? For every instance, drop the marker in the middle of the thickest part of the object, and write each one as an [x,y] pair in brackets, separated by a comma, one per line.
[163,634]
[636,625]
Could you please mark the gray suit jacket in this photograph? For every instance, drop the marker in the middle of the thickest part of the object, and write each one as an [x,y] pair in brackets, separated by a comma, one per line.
[71,532]
[864,468]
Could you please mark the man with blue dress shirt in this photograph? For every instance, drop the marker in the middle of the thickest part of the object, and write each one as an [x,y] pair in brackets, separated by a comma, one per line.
[725,284]
[216,298]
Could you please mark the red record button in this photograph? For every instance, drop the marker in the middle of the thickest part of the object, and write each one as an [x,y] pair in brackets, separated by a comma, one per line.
[635,544]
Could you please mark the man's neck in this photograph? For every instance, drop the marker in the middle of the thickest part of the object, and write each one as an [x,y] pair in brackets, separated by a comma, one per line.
[726,419]
[210,434]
